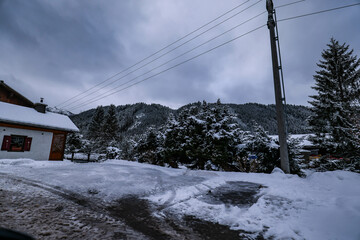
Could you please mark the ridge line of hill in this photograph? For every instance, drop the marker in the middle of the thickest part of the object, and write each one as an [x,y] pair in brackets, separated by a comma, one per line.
[134,119]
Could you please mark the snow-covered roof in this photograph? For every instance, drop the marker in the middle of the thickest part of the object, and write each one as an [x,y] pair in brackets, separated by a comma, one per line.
[304,139]
[11,113]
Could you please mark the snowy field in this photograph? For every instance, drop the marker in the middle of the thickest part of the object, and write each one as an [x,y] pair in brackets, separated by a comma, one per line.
[320,206]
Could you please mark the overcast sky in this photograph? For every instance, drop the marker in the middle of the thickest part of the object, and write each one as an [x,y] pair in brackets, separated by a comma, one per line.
[58,49]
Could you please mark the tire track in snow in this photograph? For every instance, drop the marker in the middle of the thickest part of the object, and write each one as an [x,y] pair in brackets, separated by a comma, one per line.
[90,213]
[201,189]
[135,214]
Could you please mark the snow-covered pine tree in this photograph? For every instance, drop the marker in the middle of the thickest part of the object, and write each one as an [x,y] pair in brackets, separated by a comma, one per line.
[223,135]
[127,146]
[111,126]
[95,141]
[88,148]
[150,147]
[194,130]
[174,152]
[295,157]
[338,89]
[183,138]
[96,124]
[73,143]
[203,137]
[259,144]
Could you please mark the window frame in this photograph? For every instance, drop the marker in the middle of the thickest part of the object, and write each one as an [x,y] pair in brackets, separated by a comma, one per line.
[11,143]
[6,143]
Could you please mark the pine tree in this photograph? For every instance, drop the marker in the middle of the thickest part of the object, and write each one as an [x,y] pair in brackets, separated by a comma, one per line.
[73,143]
[96,125]
[334,107]
[263,148]
[111,126]
[223,134]
[150,147]
[173,147]
[204,136]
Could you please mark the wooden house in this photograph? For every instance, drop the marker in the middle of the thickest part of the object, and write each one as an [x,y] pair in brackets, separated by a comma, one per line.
[27,130]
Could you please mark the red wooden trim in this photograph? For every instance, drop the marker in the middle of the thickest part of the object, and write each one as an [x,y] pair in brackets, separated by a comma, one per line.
[27,144]
[31,128]
[6,143]
[51,146]
[15,97]
[63,151]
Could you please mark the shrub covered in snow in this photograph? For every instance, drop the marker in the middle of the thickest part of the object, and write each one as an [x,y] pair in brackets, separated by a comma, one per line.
[332,163]
[149,148]
[203,136]
[74,143]
[259,144]
[208,136]
[113,153]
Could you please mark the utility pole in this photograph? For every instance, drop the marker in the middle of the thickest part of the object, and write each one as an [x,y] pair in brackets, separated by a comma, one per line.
[284,155]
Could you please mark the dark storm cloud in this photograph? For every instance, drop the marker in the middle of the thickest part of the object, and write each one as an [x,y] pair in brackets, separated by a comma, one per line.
[56,38]
[11,30]
[57,49]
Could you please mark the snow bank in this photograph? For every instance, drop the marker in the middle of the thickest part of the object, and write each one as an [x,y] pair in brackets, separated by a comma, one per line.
[320,206]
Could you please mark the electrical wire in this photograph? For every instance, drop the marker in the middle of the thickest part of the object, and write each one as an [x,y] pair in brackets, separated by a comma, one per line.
[288,4]
[164,54]
[174,66]
[196,56]
[318,12]
[153,54]
[191,50]
[131,80]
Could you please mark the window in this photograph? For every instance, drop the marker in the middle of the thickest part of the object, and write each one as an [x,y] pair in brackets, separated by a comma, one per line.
[16,143]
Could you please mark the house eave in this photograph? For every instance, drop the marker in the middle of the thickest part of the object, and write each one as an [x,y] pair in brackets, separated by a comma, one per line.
[39,127]
[28,102]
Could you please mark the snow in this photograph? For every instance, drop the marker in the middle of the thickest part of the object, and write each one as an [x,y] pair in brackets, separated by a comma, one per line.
[321,206]
[303,138]
[11,113]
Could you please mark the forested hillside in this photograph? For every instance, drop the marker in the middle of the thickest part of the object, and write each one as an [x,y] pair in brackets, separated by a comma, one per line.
[136,118]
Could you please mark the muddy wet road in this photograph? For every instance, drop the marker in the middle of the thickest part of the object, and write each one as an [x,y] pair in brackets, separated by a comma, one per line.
[48,212]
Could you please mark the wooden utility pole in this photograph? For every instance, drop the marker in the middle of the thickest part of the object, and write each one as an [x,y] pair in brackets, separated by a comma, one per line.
[284,155]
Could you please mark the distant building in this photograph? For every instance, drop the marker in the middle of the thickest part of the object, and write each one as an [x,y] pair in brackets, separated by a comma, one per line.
[307,149]
[28,131]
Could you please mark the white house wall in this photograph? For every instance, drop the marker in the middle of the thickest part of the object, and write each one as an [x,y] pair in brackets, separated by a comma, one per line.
[40,144]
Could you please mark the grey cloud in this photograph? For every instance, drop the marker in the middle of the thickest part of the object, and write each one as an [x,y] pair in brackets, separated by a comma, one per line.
[68,46]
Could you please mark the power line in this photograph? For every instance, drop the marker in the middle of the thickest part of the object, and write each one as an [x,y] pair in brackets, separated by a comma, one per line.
[174,66]
[318,12]
[196,47]
[299,16]
[131,80]
[171,50]
[153,54]
[101,97]
[288,4]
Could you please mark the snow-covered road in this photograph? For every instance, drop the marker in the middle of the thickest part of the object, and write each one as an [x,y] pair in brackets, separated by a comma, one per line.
[49,213]
[114,199]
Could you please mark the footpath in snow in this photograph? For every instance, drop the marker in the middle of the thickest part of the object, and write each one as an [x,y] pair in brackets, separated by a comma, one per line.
[277,206]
